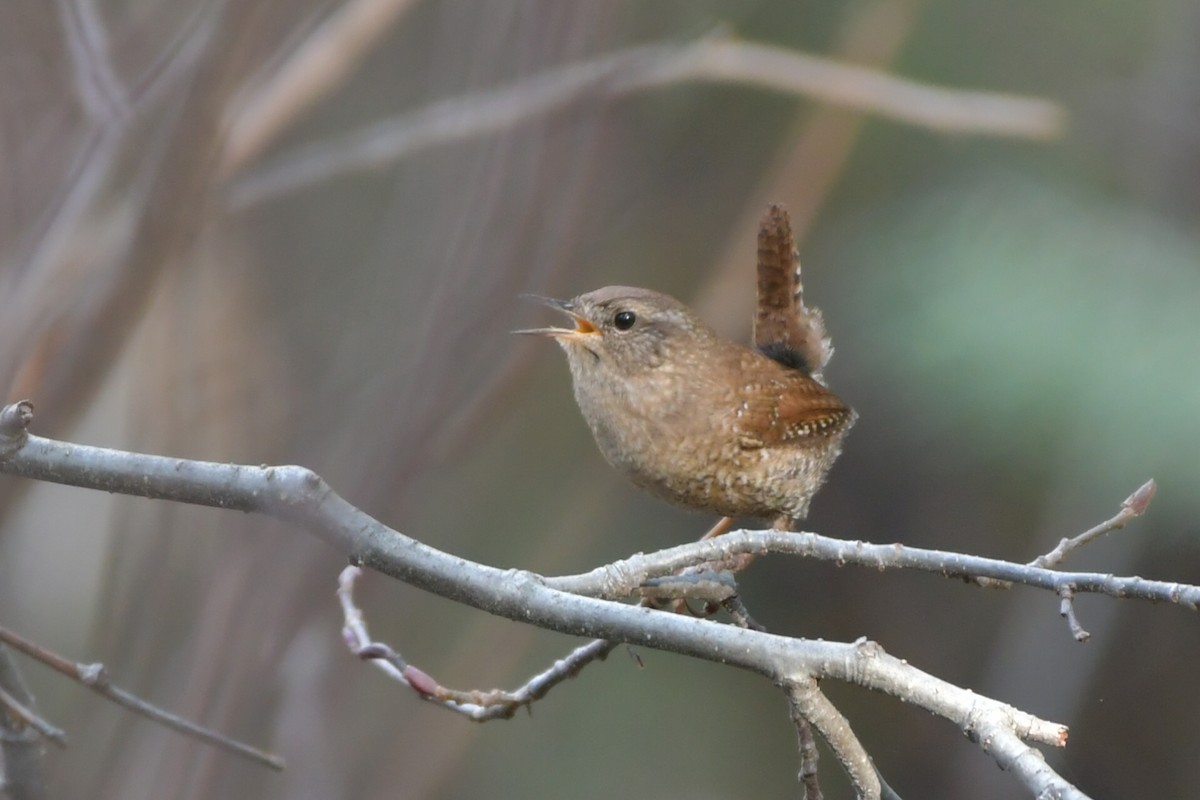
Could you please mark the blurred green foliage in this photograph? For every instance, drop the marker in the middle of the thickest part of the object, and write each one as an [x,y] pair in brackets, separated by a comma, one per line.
[1021,317]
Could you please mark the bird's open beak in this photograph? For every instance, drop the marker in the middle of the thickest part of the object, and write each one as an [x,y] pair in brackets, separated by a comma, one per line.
[582,326]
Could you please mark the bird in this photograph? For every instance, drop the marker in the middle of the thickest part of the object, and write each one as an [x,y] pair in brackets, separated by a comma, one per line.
[701,421]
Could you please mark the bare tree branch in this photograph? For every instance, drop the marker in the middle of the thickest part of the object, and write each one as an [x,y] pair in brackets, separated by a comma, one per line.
[479,706]
[24,776]
[96,82]
[1023,761]
[95,677]
[722,59]
[810,158]
[30,288]
[27,716]
[622,578]
[321,63]
[1066,609]
[717,58]
[809,757]
[808,704]
[1134,506]
[300,496]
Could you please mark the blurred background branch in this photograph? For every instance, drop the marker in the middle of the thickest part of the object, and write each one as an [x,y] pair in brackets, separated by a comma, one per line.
[322,61]
[22,735]
[715,58]
[95,677]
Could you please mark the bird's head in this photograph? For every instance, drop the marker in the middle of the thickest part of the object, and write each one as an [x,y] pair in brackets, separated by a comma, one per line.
[623,331]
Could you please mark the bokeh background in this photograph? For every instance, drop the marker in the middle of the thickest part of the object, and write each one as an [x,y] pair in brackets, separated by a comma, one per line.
[209,251]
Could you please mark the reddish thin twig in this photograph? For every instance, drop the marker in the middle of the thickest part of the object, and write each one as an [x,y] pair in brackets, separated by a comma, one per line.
[475,704]
[808,757]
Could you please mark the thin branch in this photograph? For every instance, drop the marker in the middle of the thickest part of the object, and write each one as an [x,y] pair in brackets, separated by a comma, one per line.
[741,616]
[483,706]
[887,792]
[479,706]
[327,57]
[808,703]
[622,578]
[1066,608]
[1134,506]
[28,717]
[21,750]
[812,156]
[84,179]
[96,678]
[718,58]
[705,585]
[96,81]
[809,757]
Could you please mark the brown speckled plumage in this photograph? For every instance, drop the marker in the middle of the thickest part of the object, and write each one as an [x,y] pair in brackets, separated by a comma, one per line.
[700,421]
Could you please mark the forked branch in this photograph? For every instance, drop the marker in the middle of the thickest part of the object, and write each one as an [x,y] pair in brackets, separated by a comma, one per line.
[578,605]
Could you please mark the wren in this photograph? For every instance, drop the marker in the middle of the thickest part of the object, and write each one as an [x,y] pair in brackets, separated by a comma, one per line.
[701,421]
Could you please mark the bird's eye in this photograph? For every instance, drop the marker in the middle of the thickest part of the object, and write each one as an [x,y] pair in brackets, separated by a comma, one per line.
[624,320]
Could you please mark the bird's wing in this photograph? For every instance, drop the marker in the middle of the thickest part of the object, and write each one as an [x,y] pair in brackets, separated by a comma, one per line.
[792,411]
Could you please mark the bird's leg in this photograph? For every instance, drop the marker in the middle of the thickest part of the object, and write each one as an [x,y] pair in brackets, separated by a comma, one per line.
[723,525]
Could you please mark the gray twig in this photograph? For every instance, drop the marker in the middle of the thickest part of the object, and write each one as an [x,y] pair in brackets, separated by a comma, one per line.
[622,578]
[810,706]
[95,677]
[809,757]
[1066,608]
[29,717]
[24,775]
[1134,506]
